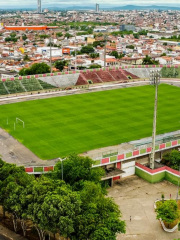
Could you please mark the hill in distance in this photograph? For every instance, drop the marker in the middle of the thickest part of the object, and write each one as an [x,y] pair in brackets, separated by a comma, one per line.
[92,7]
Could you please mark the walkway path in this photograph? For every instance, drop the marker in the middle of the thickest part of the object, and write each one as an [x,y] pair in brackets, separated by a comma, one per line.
[135,198]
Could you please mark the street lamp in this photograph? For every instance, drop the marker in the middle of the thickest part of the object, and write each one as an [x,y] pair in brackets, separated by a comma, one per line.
[60,159]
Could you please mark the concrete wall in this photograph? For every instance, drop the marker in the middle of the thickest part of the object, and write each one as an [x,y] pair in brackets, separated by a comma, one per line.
[150,178]
[165,173]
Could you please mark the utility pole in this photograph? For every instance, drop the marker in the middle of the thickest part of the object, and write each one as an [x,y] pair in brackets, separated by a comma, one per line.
[154,80]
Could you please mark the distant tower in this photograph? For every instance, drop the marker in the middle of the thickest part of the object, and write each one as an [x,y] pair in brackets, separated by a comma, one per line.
[39,6]
[97,7]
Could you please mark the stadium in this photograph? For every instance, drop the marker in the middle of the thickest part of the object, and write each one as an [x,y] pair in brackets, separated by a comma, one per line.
[106,114]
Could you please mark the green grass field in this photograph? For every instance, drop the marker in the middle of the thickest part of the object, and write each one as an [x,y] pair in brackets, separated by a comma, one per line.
[58,126]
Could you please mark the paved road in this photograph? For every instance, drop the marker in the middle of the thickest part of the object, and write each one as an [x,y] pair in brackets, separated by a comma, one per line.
[135,198]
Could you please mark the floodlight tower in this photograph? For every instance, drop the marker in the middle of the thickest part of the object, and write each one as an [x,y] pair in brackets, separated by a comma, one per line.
[154,80]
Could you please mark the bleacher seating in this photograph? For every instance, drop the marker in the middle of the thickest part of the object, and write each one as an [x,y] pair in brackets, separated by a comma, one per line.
[92,76]
[142,72]
[69,80]
[2,89]
[61,81]
[130,74]
[105,76]
[45,85]
[31,84]
[14,86]
[118,75]
[82,80]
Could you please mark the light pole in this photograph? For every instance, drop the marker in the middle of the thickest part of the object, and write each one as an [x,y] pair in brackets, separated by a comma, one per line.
[154,80]
[60,159]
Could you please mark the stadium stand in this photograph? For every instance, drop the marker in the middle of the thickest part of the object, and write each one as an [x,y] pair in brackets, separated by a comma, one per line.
[69,80]
[105,76]
[118,75]
[142,72]
[45,85]
[128,74]
[93,76]
[14,86]
[31,84]
[66,80]
[82,80]
[3,90]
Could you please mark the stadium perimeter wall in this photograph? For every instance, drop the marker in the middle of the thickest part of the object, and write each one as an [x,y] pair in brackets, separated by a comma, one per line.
[157,175]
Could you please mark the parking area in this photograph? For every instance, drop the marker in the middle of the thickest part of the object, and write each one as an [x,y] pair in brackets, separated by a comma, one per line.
[135,198]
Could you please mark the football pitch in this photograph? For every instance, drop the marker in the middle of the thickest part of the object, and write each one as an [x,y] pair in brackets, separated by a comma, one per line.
[56,127]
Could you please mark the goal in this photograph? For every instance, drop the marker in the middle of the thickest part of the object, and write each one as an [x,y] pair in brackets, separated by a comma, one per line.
[19,120]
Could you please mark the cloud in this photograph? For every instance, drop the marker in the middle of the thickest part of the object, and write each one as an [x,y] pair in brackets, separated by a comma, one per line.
[24,3]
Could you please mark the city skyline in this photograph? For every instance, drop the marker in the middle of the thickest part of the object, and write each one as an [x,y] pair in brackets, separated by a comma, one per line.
[104,3]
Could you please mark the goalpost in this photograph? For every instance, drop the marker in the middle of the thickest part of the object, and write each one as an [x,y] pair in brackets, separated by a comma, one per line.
[18,119]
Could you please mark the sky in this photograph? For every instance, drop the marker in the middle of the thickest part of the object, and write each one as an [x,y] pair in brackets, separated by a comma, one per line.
[61,3]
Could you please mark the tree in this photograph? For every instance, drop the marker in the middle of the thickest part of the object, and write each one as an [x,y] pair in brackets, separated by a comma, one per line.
[164,54]
[76,170]
[165,43]
[95,66]
[13,180]
[172,159]
[68,35]
[14,203]
[44,36]
[13,35]
[53,207]
[24,37]
[115,54]
[26,58]
[130,46]
[87,49]
[136,35]
[94,55]
[59,34]
[149,61]
[169,49]
[167,211]
[100,216]
[98,43]
[61,64]
[36,193]
[36,68]
[59,211]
